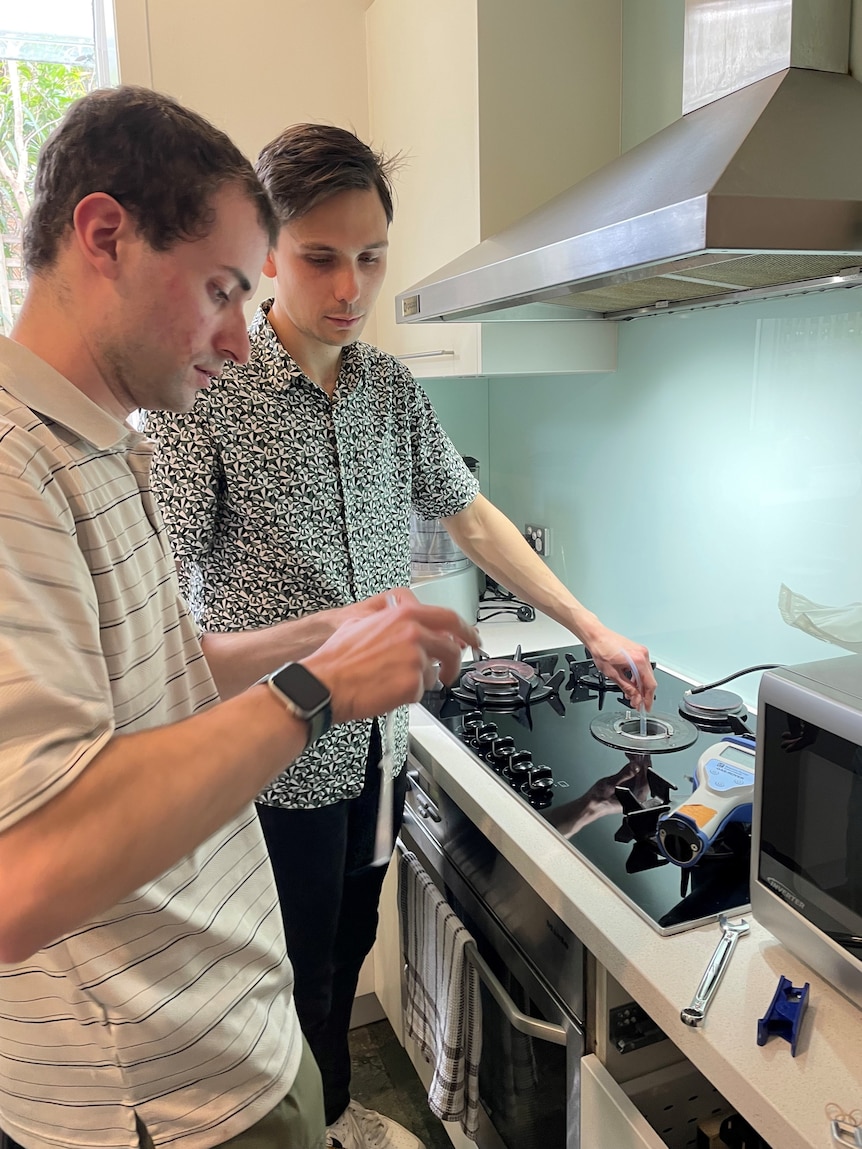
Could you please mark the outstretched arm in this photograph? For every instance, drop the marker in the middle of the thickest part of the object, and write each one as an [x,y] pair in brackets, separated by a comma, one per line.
[496,545]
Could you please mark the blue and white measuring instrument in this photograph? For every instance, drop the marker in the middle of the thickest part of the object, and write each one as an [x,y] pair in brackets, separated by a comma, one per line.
[723,792]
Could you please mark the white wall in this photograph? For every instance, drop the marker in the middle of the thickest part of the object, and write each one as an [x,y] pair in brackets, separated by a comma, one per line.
[251,69]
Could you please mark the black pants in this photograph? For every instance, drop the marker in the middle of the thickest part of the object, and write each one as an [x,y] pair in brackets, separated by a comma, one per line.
[329,895]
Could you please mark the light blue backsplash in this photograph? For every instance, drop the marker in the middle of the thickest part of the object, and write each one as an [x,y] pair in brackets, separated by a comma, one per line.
[462,407]
[722,459]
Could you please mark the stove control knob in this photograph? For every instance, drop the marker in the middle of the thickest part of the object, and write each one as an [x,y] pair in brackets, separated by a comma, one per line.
[518,770]
[472,738]
[470,723]
[539,789]
[484,738]
[502,750]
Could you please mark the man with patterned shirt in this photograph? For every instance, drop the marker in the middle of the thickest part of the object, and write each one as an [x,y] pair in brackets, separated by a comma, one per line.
[288,489]
[145,989]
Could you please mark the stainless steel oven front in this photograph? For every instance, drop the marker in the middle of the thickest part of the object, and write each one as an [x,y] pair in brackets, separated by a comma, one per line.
[531,969]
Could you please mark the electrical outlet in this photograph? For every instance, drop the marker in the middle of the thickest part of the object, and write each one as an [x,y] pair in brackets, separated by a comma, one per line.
[539,539]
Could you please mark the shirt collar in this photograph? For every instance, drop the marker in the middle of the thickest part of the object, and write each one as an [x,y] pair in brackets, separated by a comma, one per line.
[267,347]
[48,393]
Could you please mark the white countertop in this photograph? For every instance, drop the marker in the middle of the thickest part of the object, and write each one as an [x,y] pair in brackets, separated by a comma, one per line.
[783,1097]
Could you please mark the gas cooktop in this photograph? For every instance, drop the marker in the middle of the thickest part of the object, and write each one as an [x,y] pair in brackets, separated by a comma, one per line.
[560,737]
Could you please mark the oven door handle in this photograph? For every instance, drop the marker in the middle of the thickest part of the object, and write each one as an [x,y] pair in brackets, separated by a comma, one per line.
[425,808]
[532,1026]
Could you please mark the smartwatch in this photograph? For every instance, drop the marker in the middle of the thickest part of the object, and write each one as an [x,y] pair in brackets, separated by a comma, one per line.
[304,696]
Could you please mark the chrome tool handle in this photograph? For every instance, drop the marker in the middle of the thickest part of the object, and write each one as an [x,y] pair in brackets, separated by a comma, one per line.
[694,1014]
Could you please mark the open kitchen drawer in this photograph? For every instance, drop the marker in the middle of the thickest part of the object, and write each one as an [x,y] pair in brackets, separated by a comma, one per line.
[661,1110]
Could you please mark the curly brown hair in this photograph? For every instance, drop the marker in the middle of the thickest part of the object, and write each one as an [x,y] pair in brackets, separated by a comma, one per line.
[308,163]
[161,161]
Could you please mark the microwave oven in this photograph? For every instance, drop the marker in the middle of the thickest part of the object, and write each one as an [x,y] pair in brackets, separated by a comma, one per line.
[806,857]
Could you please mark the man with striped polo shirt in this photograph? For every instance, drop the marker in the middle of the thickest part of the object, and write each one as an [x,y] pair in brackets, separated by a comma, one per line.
[145,991]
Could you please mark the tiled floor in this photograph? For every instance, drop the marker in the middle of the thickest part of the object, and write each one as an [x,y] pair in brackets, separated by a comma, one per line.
[383,1079]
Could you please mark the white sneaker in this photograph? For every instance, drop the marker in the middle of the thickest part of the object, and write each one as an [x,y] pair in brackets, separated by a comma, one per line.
[361,1128]
[344,1133]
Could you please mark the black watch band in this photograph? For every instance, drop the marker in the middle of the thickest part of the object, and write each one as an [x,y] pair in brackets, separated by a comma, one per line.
[304,696]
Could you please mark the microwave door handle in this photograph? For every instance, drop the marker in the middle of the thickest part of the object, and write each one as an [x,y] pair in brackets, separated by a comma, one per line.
[532,1026]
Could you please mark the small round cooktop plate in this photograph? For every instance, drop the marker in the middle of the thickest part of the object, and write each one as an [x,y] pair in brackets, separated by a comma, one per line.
[664,732]
[712,703]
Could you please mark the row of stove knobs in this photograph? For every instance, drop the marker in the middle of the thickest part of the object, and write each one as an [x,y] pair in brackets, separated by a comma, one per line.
[535,783]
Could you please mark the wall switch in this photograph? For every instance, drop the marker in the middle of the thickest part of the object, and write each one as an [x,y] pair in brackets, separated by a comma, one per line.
[539,539]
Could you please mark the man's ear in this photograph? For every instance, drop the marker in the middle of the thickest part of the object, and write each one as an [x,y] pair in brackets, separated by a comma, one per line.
[269,266]
[100,225]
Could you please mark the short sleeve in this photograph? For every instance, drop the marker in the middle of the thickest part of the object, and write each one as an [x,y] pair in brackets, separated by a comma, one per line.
[56,708]
[442,483]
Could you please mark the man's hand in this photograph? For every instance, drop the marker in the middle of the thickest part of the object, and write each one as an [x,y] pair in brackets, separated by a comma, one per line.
[609,651]
[389,654]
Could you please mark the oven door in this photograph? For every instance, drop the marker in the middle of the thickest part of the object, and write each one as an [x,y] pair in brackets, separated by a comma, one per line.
[529,1074]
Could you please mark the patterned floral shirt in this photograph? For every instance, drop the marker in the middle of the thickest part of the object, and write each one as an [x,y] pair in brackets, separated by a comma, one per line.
[280,501]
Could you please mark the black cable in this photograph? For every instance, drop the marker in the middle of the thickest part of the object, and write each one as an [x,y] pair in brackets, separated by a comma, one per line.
[730,677]
[521,610]
[493,614]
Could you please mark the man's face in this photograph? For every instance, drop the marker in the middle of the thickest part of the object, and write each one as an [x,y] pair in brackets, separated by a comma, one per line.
[328,267]
[180,314]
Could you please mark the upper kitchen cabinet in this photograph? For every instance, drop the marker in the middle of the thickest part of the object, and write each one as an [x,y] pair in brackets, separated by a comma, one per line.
[494,106]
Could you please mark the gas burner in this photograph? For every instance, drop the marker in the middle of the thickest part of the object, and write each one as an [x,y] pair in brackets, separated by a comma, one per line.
[587,681]
[586,677]
[718,711]
[595,680]
[653,734]
[504,683]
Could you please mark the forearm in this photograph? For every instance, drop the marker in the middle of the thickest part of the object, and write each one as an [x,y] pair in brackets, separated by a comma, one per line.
[239,659]
[143,803]
[495,544]
[498,547]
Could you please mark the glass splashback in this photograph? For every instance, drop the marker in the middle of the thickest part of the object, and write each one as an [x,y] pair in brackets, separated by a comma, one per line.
[722,459]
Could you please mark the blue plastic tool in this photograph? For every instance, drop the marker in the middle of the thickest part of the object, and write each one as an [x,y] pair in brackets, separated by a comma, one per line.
[784,1015]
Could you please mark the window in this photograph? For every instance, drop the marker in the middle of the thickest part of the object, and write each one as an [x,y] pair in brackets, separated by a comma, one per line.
[51,52]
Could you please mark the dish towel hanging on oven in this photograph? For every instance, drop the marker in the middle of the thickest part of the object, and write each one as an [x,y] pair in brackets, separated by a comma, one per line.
[443,1011]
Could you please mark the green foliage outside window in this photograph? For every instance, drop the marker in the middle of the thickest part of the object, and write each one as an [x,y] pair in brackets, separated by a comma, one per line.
[33,96]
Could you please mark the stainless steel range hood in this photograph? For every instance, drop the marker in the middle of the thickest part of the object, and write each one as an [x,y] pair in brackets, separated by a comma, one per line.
[756,190]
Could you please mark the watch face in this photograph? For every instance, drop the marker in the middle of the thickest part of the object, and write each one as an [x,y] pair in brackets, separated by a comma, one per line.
[301,687]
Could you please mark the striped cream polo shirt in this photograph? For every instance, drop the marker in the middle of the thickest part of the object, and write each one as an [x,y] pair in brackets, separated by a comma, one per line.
[175,1004]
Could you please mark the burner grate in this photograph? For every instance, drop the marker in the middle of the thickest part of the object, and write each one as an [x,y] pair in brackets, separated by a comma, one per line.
[504,683]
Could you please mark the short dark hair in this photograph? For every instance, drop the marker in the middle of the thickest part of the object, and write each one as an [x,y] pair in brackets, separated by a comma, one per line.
[308,163]
[161,161]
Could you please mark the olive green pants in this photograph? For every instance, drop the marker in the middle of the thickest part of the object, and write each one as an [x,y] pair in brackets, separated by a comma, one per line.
[296,1122]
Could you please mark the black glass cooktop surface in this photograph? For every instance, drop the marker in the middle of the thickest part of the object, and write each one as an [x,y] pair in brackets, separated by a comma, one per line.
[528,721]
